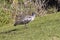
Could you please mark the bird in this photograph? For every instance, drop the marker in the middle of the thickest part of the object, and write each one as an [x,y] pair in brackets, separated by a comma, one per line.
[25,20]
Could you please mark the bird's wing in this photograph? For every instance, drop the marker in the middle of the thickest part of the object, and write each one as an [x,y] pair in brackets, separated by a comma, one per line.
[27,18]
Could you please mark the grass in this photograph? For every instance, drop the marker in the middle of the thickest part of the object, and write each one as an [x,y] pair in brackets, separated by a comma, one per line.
[42,28]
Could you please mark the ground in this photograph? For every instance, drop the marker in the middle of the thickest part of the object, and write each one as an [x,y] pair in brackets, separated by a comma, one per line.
[42,28]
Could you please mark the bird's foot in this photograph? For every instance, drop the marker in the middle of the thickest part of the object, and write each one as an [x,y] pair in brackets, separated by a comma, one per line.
[26,27]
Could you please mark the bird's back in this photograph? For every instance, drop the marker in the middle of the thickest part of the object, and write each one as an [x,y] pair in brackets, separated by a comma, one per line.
[25,19]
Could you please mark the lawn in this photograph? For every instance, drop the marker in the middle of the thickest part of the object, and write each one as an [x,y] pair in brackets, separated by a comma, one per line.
[42,28]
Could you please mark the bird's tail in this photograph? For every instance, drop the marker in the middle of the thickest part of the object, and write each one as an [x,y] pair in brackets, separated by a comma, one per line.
[15,24]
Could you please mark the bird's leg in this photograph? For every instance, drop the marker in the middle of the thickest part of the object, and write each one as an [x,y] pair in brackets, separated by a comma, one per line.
[25,25]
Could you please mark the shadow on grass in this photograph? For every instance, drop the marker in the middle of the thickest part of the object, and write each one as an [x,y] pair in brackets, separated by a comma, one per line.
[9,31]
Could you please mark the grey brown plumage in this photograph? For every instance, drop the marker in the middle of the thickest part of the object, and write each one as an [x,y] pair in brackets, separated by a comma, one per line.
[25,20]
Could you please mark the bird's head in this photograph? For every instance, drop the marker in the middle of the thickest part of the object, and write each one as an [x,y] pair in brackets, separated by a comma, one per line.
[33,13]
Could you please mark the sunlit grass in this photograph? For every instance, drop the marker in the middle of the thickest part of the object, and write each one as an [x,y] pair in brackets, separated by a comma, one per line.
[42,28]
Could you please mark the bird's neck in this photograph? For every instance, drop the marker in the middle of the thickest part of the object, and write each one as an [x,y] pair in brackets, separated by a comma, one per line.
[33,17]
